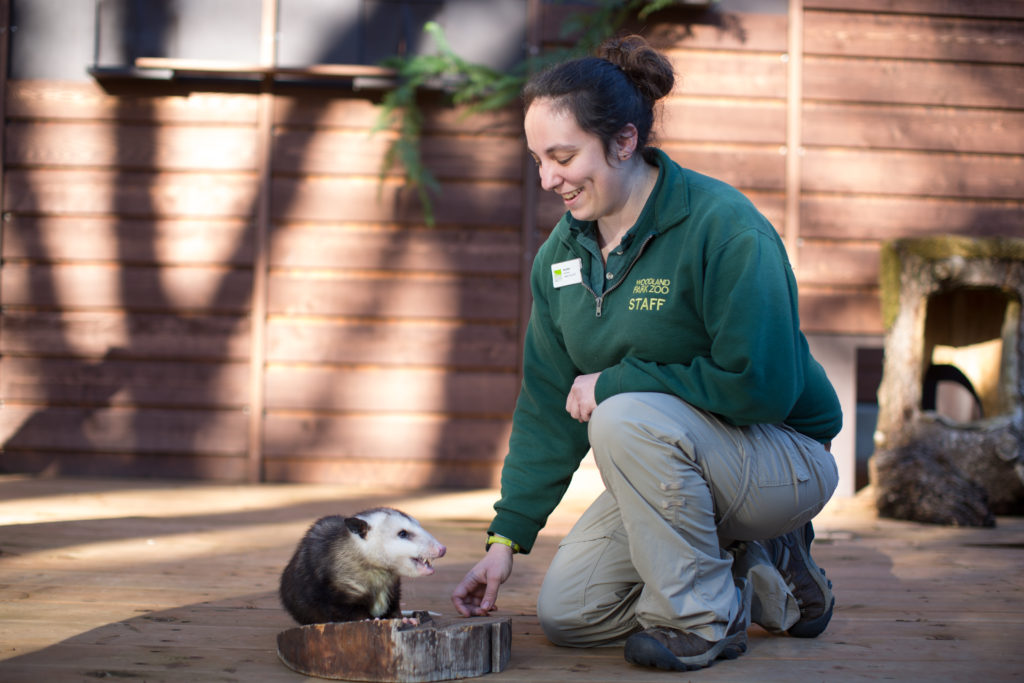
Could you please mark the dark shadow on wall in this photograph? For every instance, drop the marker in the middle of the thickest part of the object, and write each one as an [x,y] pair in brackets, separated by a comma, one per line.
[153,405]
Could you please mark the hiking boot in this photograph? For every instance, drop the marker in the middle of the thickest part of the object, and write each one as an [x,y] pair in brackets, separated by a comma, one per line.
[772,606]
[674,650]
[791,554]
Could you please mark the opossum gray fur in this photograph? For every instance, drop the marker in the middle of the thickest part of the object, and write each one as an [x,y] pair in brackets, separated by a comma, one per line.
[349,568]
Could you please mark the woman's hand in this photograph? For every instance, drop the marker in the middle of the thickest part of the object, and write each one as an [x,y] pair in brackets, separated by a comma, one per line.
[581,402]
[477,595]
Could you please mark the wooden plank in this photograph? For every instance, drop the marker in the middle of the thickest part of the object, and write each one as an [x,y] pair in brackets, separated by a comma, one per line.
[748,167]
[223,242]
[122,431]
[909,36]
[941,129]
[112,382]
[131,288]
[129,194]
[89,463]
[993,9]
[316,198]
[419,473]
[358,152]
[840,311]
[407,250]
[115,334]
[386,438]
[728,74]
[417,297]
[838,263]
[445,343]
[87,101]
[130,146]
[726,121]
[965,176]
[880,218]
[331,109]
[401,390]
[892,81]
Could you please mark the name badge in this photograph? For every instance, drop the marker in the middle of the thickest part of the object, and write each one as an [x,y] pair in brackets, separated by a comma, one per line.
[567,273]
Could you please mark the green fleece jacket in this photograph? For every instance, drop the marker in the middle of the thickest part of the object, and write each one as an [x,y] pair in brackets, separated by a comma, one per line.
[698,301]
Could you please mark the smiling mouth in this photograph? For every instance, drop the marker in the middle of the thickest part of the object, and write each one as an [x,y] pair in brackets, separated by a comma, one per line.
[569,196]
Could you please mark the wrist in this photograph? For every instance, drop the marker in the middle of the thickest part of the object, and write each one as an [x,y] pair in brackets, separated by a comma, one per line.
[502,541]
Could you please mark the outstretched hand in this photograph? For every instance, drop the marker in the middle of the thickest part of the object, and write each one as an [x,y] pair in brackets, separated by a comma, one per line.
[477,594]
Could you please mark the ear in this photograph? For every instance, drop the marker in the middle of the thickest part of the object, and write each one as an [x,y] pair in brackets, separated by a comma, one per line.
[357,526]
[626,141]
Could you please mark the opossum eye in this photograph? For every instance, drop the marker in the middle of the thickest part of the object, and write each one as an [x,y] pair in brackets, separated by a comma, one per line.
[403,534]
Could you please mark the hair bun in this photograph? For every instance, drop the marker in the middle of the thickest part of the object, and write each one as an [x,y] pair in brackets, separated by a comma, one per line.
[649,70]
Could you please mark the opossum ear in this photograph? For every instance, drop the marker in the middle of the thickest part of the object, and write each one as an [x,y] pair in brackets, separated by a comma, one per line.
[357,526]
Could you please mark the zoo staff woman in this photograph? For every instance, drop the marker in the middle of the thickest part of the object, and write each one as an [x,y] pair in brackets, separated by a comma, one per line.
[664,336]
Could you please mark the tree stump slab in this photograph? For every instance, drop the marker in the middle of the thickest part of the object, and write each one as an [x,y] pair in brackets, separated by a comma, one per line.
[390,650]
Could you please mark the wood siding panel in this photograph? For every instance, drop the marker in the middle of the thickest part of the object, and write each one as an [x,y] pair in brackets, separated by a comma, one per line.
[993,9]
[388,390]
[938,129]
[910,173]
[50,238]
[122,430]
[87,101]
[445,297]
[891,81]
[864,34]
[113,382]
[115,334]
[840,311]
[130,146]
[355,153]
[364,200]
[451,344]
[386,438]
[840,217]
[725,121]
[407,250]
[129,194]
[102,286]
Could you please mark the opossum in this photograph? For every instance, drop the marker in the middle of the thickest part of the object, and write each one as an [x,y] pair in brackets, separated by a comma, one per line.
[349,568]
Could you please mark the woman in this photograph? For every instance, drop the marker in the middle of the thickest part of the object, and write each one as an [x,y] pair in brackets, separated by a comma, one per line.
[664,336]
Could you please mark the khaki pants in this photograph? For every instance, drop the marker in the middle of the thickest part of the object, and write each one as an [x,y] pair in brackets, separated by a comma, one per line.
[681,485]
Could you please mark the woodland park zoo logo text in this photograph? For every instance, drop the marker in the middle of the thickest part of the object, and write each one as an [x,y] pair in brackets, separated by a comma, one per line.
[650,294]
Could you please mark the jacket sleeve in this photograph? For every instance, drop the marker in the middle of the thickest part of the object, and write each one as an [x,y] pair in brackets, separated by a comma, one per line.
[547,444]
[754,369]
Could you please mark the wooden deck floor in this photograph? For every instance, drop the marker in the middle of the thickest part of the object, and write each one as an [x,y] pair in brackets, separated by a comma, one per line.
[172,581]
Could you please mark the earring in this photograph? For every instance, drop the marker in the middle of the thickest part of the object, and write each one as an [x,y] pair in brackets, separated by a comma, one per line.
[623,156]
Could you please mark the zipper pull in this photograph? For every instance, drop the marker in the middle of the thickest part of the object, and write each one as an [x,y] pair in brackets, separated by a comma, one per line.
[600,300]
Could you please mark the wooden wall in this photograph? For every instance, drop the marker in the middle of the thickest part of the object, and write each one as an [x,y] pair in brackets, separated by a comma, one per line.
[389,349]
[155,323]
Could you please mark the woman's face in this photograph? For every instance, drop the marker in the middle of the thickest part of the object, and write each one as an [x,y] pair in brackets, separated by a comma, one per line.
[572,162]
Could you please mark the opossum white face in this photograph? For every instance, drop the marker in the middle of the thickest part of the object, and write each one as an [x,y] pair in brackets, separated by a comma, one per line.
[393,540]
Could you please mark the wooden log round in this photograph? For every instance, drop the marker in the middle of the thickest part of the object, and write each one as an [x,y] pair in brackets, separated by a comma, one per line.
[389,650]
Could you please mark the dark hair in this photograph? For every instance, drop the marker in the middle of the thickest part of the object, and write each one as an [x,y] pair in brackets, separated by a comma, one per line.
[604,93]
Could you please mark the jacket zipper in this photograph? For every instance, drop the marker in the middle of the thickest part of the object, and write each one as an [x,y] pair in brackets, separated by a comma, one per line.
[599,300]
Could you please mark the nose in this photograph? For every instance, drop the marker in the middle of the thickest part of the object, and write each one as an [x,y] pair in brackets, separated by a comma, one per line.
[441,550]
[549,177]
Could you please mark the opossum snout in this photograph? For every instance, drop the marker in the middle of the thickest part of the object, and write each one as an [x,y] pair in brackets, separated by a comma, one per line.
[423,565]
